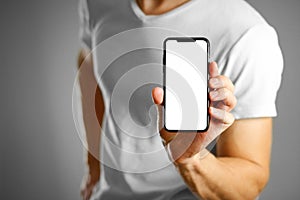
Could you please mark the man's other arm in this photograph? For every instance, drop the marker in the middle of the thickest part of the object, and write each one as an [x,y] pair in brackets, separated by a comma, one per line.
[92,109]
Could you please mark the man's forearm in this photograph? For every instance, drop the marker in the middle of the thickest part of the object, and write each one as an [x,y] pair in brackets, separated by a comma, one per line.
[92,109]
[92,125]
[223,178]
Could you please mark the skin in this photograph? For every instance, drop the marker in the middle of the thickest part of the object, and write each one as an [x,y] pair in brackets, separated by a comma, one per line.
[90,95]
[159,7]
[240,170]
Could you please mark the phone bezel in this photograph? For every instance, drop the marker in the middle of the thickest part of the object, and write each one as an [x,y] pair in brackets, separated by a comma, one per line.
[185,39]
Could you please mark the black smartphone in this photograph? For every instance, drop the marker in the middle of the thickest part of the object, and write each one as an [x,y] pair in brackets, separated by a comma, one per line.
[185,69]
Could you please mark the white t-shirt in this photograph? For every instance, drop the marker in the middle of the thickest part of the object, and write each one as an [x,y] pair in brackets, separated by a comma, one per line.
[127,53]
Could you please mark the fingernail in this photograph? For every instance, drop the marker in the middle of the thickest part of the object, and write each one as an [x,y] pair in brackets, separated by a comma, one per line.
[215,82]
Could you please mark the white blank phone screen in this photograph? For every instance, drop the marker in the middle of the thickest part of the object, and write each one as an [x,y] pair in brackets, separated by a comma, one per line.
[186,85]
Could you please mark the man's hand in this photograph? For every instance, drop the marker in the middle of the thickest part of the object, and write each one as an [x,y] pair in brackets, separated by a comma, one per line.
[91,178]
[191,145]
[88,184]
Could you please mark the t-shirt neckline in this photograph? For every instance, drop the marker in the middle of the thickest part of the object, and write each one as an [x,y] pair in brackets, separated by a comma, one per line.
[144,17]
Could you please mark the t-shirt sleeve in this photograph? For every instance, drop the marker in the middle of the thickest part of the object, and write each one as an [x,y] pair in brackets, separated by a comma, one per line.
[255,64]
[84,24]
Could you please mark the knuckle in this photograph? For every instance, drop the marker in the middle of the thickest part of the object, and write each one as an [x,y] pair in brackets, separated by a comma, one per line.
[231,118]
[226,93]
[233,87]
[234,101]
[227,82]
[224,80]
[228,119]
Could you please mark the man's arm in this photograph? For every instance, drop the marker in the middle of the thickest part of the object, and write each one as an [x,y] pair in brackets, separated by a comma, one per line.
[241,169]
[92,109]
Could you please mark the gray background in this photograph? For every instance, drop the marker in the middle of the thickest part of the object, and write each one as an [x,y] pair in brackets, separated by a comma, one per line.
[41,154]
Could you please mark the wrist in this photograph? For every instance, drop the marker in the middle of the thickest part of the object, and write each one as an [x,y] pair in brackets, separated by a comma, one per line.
[93,173]
[92,160]
[193,169]
[93,166]
[192,162]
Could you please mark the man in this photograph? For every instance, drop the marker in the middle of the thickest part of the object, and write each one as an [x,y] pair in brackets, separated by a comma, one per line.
[247,56]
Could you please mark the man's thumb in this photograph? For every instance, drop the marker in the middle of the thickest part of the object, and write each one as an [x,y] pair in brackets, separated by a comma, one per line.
[157,95]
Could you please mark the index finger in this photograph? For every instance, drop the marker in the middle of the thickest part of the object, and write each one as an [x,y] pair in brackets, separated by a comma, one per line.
[213,69]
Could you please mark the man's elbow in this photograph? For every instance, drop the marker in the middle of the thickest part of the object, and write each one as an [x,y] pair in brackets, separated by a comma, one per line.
[256,184]
[83,56]
[262,179]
